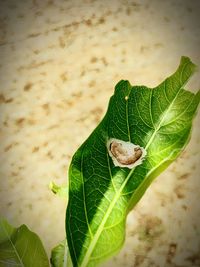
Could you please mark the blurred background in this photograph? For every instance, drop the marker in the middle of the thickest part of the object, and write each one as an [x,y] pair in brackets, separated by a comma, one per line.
[60,61]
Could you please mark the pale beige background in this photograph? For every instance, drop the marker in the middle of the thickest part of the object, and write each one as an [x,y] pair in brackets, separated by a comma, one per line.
[60,61]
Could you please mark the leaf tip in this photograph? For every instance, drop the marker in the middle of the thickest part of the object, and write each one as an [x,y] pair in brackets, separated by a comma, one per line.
[187,61]
[122,84]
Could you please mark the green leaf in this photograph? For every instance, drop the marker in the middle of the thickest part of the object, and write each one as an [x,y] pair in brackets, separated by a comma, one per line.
[20,247]
[101,194]
[60,256]
[61,191]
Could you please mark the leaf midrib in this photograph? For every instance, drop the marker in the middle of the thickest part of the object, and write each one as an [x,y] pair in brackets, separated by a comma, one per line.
[97,234]
[113,202]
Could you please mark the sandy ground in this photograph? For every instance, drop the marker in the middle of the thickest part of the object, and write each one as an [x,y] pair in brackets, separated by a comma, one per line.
[60,61]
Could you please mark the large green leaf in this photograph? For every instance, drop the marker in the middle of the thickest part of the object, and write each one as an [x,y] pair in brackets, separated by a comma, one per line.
[20,247]
[101,194]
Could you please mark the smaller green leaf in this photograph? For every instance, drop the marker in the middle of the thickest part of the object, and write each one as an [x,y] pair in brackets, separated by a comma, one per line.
[60,256]
[61,191]
[20,247]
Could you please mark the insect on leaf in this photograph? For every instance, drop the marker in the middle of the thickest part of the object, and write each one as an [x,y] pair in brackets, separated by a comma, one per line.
[101,194]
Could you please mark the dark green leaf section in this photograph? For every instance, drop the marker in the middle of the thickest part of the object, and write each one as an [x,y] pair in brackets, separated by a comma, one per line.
[60,255]
[20,247]
[100,194]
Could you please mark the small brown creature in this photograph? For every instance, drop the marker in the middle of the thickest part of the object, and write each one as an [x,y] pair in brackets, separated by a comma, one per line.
[125,154]
[122,154]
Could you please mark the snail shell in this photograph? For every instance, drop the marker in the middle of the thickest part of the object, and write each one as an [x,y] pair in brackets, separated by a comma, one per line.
[125,154]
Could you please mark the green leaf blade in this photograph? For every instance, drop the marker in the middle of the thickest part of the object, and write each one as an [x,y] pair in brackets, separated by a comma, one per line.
[20,247]
[101,194]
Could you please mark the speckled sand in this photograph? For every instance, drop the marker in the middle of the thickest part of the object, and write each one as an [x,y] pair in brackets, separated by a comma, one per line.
[60,61]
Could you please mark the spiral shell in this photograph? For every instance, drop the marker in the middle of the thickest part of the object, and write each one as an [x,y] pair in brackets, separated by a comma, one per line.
[125,154]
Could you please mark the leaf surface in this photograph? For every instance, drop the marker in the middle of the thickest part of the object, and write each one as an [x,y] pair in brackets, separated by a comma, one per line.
[20,247]
[101,194]
[60,255]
